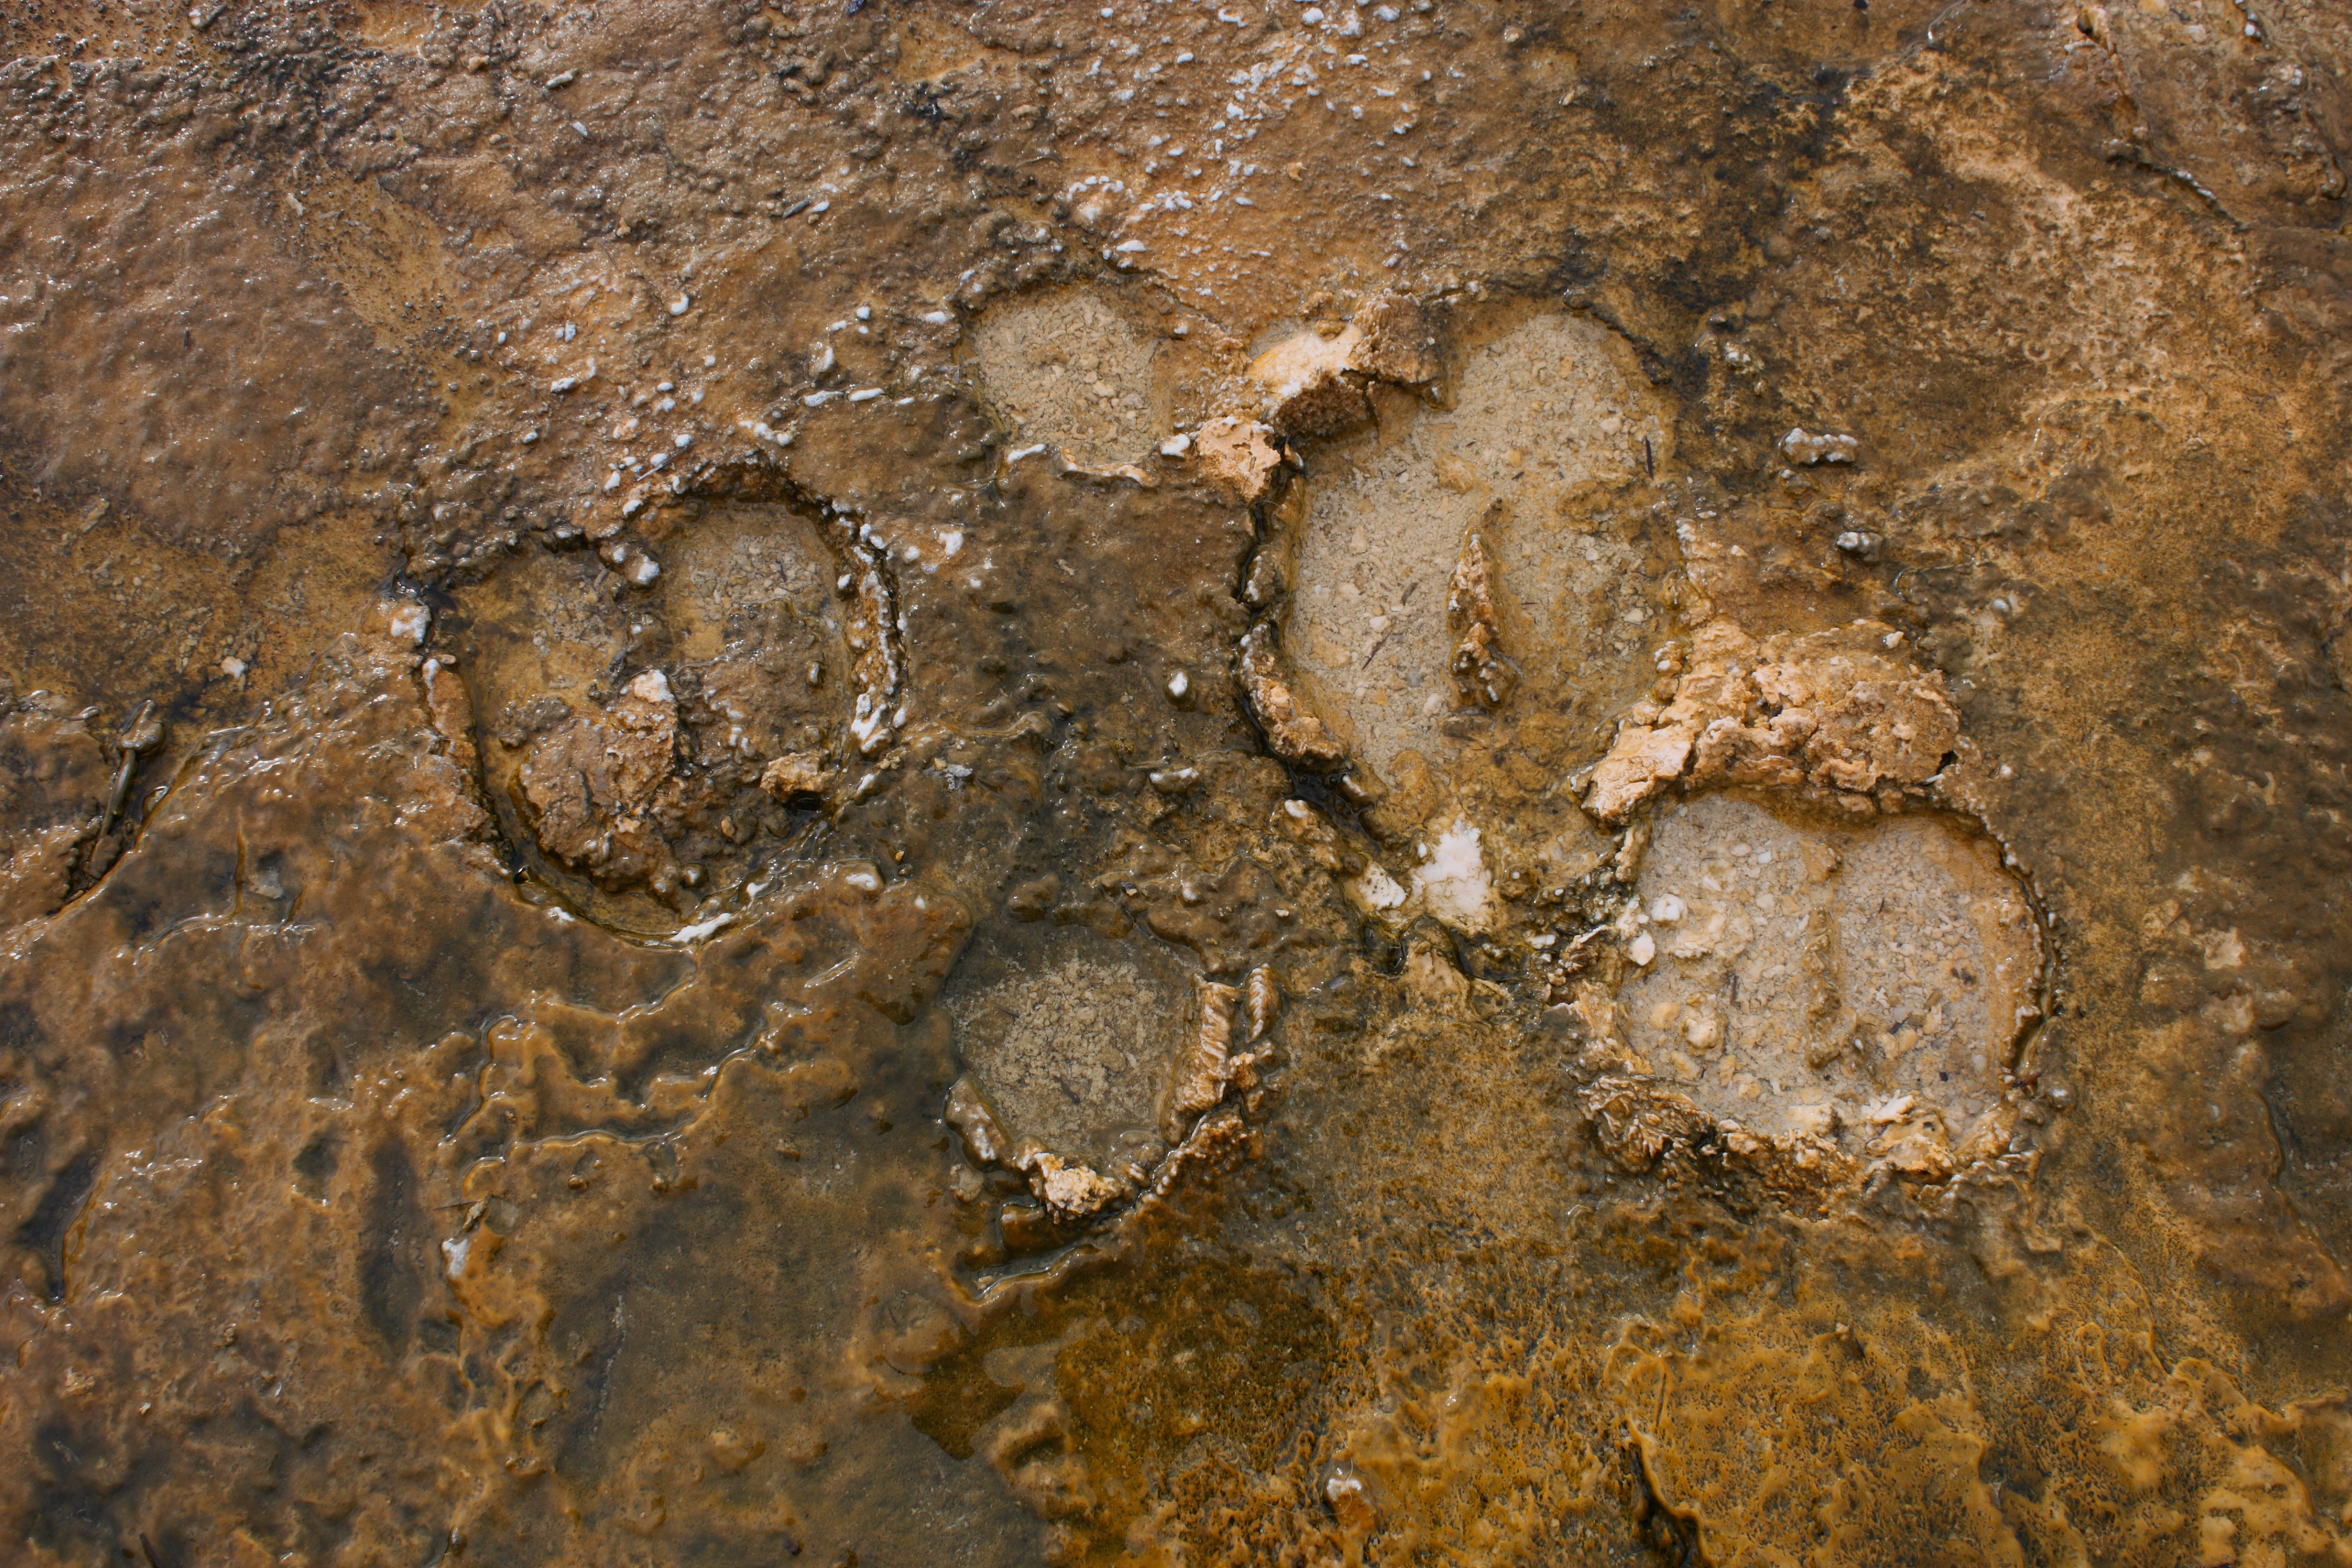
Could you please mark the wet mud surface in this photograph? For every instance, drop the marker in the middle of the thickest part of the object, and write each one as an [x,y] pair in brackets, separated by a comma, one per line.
[1183,784]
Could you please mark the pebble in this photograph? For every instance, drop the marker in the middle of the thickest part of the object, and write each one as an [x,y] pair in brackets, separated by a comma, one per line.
[1825,448]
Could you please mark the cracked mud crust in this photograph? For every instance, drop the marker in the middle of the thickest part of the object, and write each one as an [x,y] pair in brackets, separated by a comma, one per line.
[1069,371]
[1854,992]
[1175,784]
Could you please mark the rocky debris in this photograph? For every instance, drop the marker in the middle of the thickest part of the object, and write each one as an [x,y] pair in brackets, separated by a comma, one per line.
[1069,1189]
[748,628]
[1262,1002]
[1918,1146]
[588,782]
[1644,757]
[1446,877]
[1395,341]
[872,634]
[1375,892]
[1124,473]
[797,775]
[967,1111]
[1860,543]
[1832,713]
[1808,451]
[1831,1000]
[1314,378]
[1637,1120]
[1238,458]
[1293,732]
[1219,1142]
[1308,389]
[1480,672]
[1274,561]
[1206,1064]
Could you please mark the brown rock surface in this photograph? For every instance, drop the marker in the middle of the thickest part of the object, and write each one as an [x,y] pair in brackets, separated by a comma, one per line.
[459,1105]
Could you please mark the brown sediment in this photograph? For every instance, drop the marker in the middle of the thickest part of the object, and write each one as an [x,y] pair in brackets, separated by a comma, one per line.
[1260,784]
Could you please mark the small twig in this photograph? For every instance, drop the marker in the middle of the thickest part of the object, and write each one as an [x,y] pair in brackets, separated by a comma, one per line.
[133,746]
[138,737]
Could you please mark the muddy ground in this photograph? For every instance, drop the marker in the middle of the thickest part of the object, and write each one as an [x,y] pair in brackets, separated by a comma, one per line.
[1175,782]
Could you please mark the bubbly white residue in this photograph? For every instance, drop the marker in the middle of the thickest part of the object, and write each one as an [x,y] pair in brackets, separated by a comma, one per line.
[1453,882]
[701,931]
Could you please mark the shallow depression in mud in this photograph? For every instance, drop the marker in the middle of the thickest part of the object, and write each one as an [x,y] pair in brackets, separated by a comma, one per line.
[1539,423]
[1861,987]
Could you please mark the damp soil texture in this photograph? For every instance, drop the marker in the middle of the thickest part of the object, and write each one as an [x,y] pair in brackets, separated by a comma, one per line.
[1175,782]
